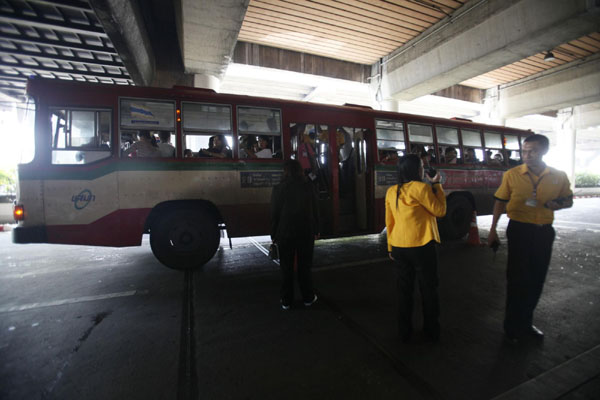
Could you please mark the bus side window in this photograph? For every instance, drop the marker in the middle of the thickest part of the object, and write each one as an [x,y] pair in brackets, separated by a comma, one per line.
[493,149]
[260,132]
[207,130]
[140,117]
[421,143]
[447,138]
[512,154]
[471,141]
[80,136]
[390,140]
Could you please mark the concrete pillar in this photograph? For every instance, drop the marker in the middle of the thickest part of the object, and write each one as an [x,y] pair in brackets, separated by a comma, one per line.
[207,82]
[566,137]
[390,105]
[490,114]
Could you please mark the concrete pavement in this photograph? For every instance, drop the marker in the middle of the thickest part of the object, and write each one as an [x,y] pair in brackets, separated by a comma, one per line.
[101,323]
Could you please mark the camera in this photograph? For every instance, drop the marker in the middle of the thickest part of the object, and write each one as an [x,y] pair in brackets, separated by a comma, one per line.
[431,172]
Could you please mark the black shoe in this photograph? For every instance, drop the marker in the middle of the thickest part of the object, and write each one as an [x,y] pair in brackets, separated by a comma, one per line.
[536,332]
[311,302]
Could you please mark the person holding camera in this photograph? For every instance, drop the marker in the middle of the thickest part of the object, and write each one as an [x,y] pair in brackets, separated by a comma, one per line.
[529,193]
[411,209]
[294,228]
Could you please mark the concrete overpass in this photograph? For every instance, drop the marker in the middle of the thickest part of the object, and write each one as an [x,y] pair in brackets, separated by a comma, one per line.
[492,56]
[191,42]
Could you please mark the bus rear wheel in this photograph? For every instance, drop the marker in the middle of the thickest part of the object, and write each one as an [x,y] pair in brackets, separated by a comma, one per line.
[457,221]
[184,239]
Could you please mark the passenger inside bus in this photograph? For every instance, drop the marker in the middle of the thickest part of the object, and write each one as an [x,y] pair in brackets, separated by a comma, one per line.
[513,157]
[496,160]
[431,156]
[217,147]
[388,155]
[248,146]
[306,153]
[450,155]
[105,140]
[146,146]
[470,157]
[165,147]
[261,148]
[417,149]
[187,153]
[264,147]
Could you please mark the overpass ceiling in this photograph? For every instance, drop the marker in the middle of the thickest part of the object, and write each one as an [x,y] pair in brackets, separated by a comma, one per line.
[363,31]
[54,39]
[64,38]
[360,31]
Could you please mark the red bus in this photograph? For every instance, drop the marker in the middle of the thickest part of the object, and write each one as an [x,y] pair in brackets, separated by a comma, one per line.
[93,182]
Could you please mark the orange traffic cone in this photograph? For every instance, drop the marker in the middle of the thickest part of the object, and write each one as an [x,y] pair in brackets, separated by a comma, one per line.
[473,239]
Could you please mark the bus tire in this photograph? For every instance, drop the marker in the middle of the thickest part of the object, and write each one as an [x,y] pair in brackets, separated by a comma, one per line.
[184,239]
[456,223]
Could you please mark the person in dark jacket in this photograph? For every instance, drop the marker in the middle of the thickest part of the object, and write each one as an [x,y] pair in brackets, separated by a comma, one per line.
[294,228]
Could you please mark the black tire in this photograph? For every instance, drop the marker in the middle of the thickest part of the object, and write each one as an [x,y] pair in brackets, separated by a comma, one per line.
[184,239]
[457,222]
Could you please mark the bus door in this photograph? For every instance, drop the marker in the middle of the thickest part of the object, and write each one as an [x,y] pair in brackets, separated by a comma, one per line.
[352,179]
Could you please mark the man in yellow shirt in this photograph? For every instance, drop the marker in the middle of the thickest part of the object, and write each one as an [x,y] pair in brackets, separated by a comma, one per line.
[529,193]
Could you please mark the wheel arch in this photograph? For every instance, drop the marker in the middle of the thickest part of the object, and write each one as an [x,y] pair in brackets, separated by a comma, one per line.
[163,207]
[468,195]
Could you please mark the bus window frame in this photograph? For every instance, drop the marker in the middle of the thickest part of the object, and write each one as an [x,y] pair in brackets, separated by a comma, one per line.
[520,138]
[404,141]
[120,127]
[410,142]
[465,147]
[237,133]
[487,161]
[438,146]
[95,148]
[206,132]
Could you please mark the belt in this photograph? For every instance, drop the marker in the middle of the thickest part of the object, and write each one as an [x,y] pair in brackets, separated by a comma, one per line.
[531,224]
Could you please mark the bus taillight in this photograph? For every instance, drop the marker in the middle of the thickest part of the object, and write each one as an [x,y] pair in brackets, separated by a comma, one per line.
[19,213]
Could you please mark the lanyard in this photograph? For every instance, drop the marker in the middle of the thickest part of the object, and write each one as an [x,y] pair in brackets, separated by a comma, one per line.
[535,184]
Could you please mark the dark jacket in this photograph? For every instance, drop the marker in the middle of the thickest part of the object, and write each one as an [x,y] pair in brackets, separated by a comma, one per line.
[294,210]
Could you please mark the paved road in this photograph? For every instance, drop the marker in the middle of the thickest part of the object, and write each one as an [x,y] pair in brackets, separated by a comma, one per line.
[81,322]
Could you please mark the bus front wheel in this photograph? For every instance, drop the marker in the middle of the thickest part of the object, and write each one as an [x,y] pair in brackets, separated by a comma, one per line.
[184,239]
[457,221]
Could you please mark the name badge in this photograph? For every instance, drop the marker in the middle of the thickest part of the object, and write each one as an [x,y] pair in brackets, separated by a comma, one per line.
[531,202]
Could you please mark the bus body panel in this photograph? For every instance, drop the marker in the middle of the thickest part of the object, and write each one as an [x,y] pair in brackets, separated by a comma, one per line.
[113,201]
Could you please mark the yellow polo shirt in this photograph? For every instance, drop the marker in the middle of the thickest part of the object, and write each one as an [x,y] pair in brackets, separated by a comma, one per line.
[517,187]
[413,222]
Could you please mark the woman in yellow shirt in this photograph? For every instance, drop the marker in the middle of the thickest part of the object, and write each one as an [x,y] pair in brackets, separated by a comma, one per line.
[411,209]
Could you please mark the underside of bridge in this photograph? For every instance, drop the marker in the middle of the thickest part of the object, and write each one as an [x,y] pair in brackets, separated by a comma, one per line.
[514,57]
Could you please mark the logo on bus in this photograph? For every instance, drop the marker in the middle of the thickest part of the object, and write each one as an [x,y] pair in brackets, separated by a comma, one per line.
[81,200]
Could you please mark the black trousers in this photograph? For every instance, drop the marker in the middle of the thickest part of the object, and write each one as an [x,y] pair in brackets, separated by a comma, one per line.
[419,262]
[302,248]
[529,253]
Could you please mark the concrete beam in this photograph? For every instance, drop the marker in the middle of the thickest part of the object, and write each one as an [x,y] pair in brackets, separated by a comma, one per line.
[123,22]
[588,116]
[208,31]
[150,55]
[491,34]
[570,85]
